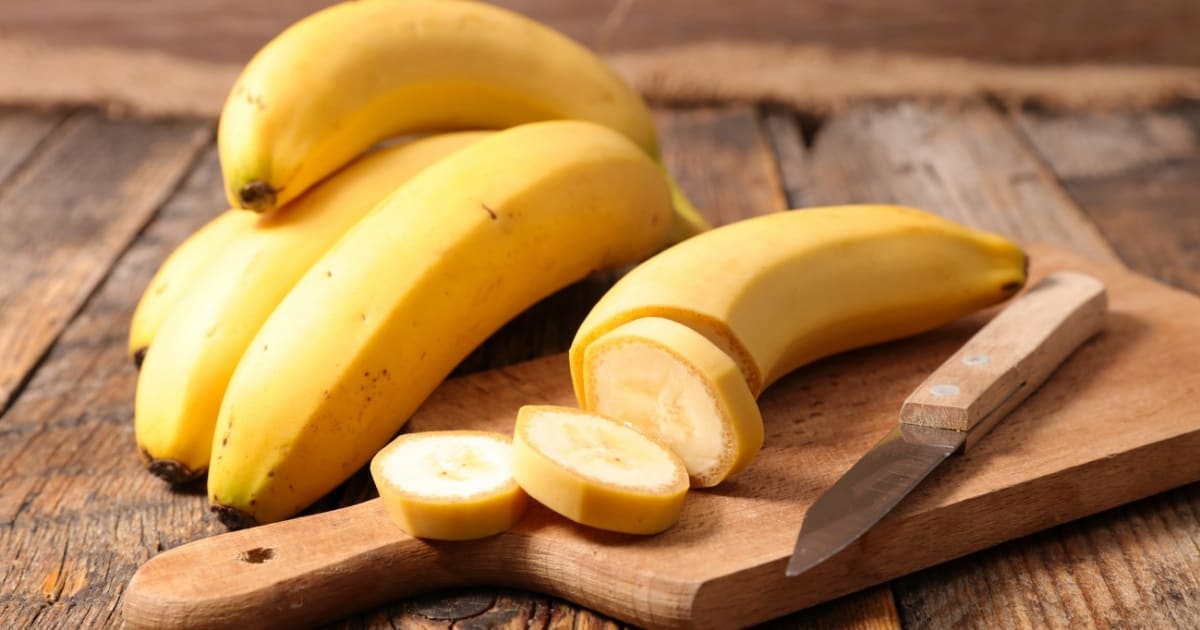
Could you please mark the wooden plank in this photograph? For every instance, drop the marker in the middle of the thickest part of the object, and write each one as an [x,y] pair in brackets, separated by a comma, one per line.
[20,133]
[78,513]
[1137,175]
[721,158]
[945,161]
[69,213]
[1022,30]
[966,164]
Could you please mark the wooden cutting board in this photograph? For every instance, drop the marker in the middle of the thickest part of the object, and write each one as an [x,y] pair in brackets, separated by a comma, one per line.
[1120,420]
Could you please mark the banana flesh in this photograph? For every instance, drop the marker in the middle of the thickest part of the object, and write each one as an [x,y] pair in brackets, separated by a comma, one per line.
[670,382]
[449,485]
[177,274]
[185,373]
[596,471]
[781,290]
[411,290]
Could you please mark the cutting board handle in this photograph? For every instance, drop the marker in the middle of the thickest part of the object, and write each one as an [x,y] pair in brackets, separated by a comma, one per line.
[298,573]
[1010,356]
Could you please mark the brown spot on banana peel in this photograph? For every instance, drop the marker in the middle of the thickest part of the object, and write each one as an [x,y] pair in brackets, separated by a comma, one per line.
[232,517]
[491,213]
[139,356]
[257,195]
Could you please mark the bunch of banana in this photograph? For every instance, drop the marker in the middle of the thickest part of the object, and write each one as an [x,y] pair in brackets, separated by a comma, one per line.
[379,320]
[208,329]
[316,96]
[291,140]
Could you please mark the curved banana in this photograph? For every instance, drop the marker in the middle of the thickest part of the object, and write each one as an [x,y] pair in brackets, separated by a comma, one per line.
[185,373]
[346,77]
[178,272]
[775,292]
[387,313]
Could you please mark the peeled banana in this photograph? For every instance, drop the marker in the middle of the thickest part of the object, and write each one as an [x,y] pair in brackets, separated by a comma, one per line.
[670,382]
[596,471]
[382,318]
[773,293]
[178,273]
[185,373]
[449,485]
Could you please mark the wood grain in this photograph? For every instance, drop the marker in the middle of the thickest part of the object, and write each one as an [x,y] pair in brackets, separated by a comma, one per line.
[1023,30]
[20,133]
[1135,175]
[966,164]
[77,512]
[68,213]
[721,565]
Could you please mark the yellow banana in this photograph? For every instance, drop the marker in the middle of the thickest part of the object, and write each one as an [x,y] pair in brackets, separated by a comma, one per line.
[178,272]
[596,471]
[383,317]
[449,485]
[186,370]
[346,77]
[773,293]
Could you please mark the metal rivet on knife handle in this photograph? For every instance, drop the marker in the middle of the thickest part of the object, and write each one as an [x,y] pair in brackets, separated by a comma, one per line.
[1020,347]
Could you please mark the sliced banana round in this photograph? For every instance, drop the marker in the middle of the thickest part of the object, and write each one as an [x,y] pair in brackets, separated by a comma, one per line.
[449,485]
[671,383]
[596,471]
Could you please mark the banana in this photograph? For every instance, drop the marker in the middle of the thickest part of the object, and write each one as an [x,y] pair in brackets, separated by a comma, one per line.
[178,272]
[596,471]
[449,485]
[670,382]
[185,373]
[773,293]
[315,97]
[384,316]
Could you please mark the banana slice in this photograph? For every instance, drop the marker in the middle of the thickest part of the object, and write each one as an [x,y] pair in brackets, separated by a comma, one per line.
[596,471]
[673,384]
[449,485]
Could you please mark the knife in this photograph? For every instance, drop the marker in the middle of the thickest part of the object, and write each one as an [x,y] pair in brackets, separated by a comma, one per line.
[954,407]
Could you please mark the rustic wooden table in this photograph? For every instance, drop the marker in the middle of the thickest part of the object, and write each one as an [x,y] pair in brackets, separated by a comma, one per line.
[90,206]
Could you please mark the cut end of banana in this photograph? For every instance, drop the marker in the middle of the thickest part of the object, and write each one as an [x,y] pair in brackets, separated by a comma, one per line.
[596,471]
[257,195]
[449,485]
[670,382]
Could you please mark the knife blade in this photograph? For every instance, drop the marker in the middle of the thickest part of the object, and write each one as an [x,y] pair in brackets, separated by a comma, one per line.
[954,407]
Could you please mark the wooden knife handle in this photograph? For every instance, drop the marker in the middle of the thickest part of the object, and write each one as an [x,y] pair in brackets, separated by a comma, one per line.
[1010,356]
[297,573]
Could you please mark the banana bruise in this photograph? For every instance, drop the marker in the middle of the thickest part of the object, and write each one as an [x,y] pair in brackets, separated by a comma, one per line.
[379,321]
[178,273]
[774,293]
[186,370]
